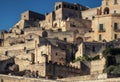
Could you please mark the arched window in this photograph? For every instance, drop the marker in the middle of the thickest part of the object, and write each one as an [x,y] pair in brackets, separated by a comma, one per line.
[59,6]
[56,7]
[44,34]
[106,10]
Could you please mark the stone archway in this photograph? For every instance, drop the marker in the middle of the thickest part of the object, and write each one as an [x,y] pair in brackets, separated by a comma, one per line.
[106,10]
[44,34]
[79,40]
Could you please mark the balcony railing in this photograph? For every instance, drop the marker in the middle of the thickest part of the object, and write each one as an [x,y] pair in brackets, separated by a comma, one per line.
[117,30]
[101,30]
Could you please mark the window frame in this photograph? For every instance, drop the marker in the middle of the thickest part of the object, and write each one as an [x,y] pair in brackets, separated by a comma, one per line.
[101,27]
[115,26]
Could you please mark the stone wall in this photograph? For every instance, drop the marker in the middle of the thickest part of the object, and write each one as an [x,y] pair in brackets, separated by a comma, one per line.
[34,30]
[93,48]
[18,47]
[58,55]
[59,70]
[89,14]
[93,67]
[66,10]
[30,15]
[90,48]
[86,78]
[7,78]
[62,35]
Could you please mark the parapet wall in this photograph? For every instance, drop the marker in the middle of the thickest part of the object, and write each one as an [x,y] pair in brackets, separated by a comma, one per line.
[86,77]
[7,78]
[59,70]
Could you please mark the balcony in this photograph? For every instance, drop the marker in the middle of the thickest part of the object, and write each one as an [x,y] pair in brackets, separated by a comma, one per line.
[101,30]
[117,30]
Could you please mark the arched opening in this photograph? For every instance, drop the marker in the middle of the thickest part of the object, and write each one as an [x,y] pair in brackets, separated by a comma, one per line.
[44,34]
[106,10]
[79,40]
[8,65]
[59,6]
[32,58]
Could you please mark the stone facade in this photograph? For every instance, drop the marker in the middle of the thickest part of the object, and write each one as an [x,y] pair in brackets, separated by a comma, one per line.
[105,25]
[90,78]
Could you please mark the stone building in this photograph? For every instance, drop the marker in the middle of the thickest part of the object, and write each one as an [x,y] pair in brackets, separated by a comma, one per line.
[105,25]
[50,43]
[63,17]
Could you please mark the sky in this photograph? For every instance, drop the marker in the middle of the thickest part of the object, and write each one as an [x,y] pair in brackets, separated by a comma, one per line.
[10,10]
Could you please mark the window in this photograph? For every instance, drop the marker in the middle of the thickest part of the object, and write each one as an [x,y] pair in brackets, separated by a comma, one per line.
[115,1]
[86,18]
[100,37]
[41,52]
[24,48]
[93,48]
[59,30]
[32,58]
[76,8]
[56,7]
[93,17]
[115,26]
[106,2]
[44,34]
[17,26]
[56,53]
[101,26]
[106,10]
[6,53]
[115,36]
[114,11]
[59,6]
[30,36]
[65,39]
